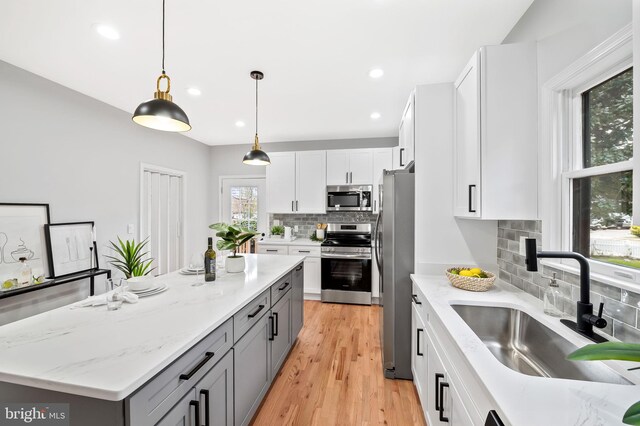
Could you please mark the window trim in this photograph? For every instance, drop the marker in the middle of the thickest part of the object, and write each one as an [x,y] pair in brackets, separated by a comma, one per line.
[560,147]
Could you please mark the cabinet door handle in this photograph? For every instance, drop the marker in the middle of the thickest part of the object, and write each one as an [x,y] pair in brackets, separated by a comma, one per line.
[441,409]
[437,399]
[254,313]
[196,404]
[273,330]
[299,268]
[272,250]
[415,299]
[418,341]
[401,160]
[195,369]
[350,177]
[471,187]
[205,392]
[346,177]
[292,205]
[285,285]
[296,205]
[277,326]
[303,251]
[375,204]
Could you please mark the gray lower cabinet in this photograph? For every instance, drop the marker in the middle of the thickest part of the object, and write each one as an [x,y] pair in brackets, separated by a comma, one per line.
[252,368]
[215,394]
[184,413]
[280,332]
[297,301]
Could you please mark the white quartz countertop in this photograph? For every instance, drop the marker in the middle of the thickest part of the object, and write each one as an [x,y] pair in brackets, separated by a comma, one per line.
[526,400]
[109,354]
[297,242]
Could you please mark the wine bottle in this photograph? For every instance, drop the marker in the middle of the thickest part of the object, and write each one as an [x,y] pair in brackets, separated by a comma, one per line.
[210,262]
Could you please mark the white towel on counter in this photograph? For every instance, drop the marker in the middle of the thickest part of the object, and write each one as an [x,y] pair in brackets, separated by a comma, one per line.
[101,300]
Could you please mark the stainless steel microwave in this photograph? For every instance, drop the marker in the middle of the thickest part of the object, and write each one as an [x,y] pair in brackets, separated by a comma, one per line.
[349,198]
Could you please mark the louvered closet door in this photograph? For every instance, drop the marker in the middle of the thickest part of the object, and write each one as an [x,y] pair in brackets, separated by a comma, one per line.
[161,220]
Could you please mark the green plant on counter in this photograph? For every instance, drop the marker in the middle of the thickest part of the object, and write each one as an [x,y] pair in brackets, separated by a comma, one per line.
[314,236]
[232,236]
[277,230]
[613,351]
[130,258]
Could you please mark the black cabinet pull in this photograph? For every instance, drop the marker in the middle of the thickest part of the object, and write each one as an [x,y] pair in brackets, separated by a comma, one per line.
[346,177]
[438,377]
[418,341]
[296,205]
[272,250]
[470,199]
[205,392]
[401,152]
[441,409]
[285,285]
[299,268]
[303,251]
[195,369]
[196,404]
[272,328]
[292,206]
[415,299]
[254,313]
[275,329]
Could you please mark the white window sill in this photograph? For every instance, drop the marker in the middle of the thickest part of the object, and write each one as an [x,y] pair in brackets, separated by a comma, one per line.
[606,279]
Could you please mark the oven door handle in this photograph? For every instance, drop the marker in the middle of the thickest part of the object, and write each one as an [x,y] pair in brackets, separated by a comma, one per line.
[345,256]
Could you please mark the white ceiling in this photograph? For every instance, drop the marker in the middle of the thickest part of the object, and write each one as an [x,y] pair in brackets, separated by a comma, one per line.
[316,57]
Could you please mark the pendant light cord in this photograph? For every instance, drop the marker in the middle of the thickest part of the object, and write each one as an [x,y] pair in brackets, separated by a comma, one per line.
[256,106]
[163,7]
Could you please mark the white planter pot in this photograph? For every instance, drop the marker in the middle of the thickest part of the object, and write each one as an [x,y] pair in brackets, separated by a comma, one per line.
[235,264]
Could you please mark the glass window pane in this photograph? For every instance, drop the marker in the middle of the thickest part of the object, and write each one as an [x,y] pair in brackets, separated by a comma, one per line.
[244,206]
[608,121]
[602,211]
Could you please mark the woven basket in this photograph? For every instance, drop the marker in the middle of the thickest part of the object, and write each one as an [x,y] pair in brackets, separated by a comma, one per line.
[471,283]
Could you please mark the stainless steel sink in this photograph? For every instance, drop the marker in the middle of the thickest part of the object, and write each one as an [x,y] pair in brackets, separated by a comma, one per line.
[525,345]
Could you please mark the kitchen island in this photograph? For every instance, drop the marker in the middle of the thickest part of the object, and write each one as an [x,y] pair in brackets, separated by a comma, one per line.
[99,360]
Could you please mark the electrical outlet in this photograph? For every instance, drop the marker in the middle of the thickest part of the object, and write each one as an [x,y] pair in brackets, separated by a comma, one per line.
[295,228]
[130,229]
[523,248]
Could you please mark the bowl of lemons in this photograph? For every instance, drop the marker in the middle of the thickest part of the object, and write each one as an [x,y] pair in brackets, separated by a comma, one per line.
[472,279]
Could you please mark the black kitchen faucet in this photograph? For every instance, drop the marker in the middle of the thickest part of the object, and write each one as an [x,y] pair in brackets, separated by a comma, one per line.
[585,320]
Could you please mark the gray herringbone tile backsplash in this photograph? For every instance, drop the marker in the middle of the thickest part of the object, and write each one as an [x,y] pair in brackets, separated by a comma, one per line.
[620,306]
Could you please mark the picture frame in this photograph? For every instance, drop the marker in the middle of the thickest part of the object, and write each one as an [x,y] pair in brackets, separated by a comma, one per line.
[70,248]
[22,234]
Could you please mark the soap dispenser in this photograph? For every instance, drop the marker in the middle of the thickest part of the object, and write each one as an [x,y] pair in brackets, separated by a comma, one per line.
[553,298]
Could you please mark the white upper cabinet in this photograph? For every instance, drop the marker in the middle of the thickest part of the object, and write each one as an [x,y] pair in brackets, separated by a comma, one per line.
[350,166]
[495,142]
[407,134]
[296,182]
[382,160]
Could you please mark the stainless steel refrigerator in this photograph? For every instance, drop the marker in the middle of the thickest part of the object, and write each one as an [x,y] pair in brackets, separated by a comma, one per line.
[394,252]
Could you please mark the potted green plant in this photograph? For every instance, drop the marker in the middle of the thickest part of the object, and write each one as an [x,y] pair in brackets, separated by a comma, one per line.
[613,351]
[232,237]
[277,230]
[132,261]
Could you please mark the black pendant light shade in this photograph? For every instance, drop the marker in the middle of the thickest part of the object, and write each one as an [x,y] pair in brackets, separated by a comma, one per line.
[256,157]
[161,113]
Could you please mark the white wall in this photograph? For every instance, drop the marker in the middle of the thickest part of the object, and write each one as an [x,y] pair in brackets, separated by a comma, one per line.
[441,240]
[83,158]
[226,160]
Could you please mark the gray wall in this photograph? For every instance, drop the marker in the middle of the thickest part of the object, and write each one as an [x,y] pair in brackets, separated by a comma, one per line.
[226,160]
[83,158]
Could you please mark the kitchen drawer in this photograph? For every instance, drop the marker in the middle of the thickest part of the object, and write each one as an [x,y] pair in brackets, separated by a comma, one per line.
[280,288]
[272,249]
[313,251]
[250,314]
[149,404]
[420,302]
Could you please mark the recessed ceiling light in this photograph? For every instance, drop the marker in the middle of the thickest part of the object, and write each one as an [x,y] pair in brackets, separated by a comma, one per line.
[107,32]
[375,115]
[194,91]
[376,73]
[240,123]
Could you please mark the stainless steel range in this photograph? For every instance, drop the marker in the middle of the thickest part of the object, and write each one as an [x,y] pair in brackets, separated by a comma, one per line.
[346,263]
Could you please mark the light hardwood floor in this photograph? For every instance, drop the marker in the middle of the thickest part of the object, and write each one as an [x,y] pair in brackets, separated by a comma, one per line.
[333,375]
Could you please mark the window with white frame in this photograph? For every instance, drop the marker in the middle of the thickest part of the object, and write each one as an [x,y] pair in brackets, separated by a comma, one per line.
[587,163]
